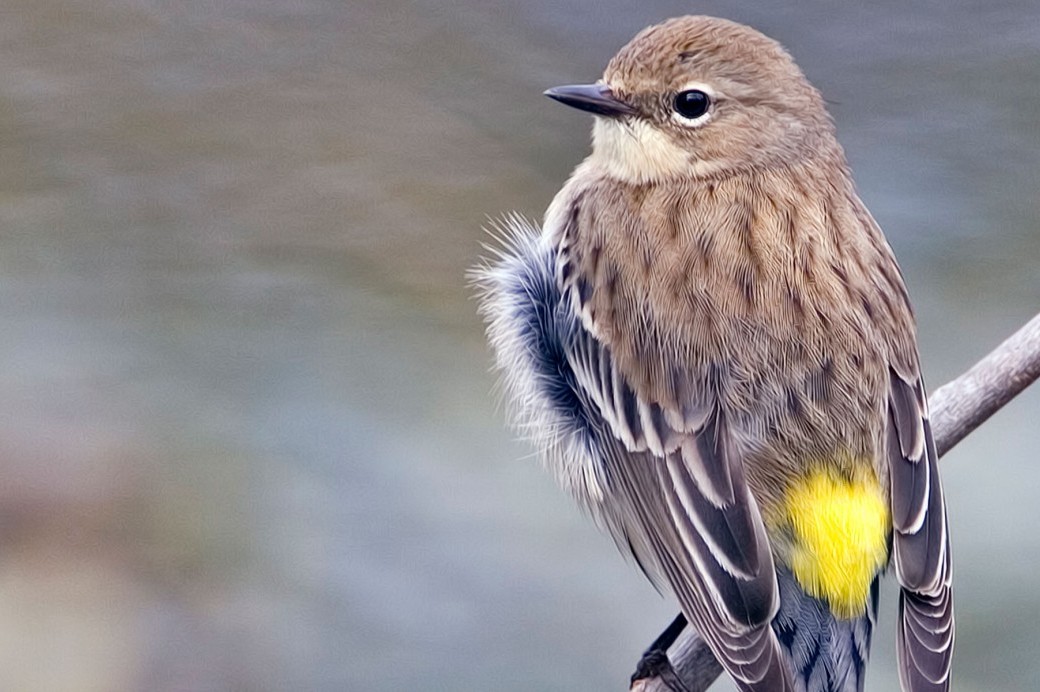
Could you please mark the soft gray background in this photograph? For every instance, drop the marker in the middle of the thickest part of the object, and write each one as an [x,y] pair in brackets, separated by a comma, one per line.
[247,440]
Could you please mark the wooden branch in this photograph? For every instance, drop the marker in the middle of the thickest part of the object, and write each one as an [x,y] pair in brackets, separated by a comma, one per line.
[957,408]
[961,406]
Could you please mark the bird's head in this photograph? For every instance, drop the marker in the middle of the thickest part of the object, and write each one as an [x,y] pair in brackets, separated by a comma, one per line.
[700,97]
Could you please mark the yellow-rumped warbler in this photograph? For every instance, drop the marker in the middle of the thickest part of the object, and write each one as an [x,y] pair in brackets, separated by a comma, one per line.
[711,343]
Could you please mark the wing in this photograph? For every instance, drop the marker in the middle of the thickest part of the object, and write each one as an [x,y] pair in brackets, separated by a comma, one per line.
[679,498]
[921,547]
[664,479]
[681,502]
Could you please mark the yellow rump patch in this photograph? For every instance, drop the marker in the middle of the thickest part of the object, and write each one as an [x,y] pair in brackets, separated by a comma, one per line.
[839,524]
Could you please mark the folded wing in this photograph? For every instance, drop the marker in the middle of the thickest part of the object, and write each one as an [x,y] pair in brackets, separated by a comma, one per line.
[681,502]
[921,548]
[663,477]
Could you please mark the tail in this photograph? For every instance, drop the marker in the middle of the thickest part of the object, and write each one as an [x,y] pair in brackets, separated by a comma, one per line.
[826,654]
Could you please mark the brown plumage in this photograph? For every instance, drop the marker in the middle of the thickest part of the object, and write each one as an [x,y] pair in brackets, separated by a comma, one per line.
[732,328]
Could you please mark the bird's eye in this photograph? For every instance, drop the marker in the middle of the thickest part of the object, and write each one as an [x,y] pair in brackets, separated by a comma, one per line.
[692,104]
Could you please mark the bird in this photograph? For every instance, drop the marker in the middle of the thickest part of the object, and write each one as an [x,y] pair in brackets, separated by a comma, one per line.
[710,342]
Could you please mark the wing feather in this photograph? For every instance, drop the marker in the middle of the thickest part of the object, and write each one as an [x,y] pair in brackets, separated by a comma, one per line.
[921,547]
[661,475]
[925,638]
[683,494]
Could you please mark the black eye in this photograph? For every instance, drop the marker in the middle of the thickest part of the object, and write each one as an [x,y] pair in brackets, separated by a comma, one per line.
[692,104]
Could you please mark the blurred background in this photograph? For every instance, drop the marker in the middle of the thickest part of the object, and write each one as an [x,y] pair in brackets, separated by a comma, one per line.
[247,436]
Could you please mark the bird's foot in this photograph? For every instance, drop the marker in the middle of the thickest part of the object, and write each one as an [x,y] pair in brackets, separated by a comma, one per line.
[655,662]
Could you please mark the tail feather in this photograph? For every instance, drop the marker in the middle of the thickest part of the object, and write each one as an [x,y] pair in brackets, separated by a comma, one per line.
[826,654]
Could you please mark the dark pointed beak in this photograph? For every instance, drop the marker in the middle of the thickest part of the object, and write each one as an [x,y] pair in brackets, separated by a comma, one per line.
[594,98]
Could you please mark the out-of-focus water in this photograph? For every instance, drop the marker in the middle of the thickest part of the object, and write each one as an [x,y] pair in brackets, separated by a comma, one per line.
[247,437]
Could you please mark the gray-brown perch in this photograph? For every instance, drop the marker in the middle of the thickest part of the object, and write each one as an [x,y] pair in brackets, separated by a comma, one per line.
[957,408]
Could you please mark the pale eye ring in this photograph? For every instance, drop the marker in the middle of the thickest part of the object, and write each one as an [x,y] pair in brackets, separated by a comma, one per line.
[692,106]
